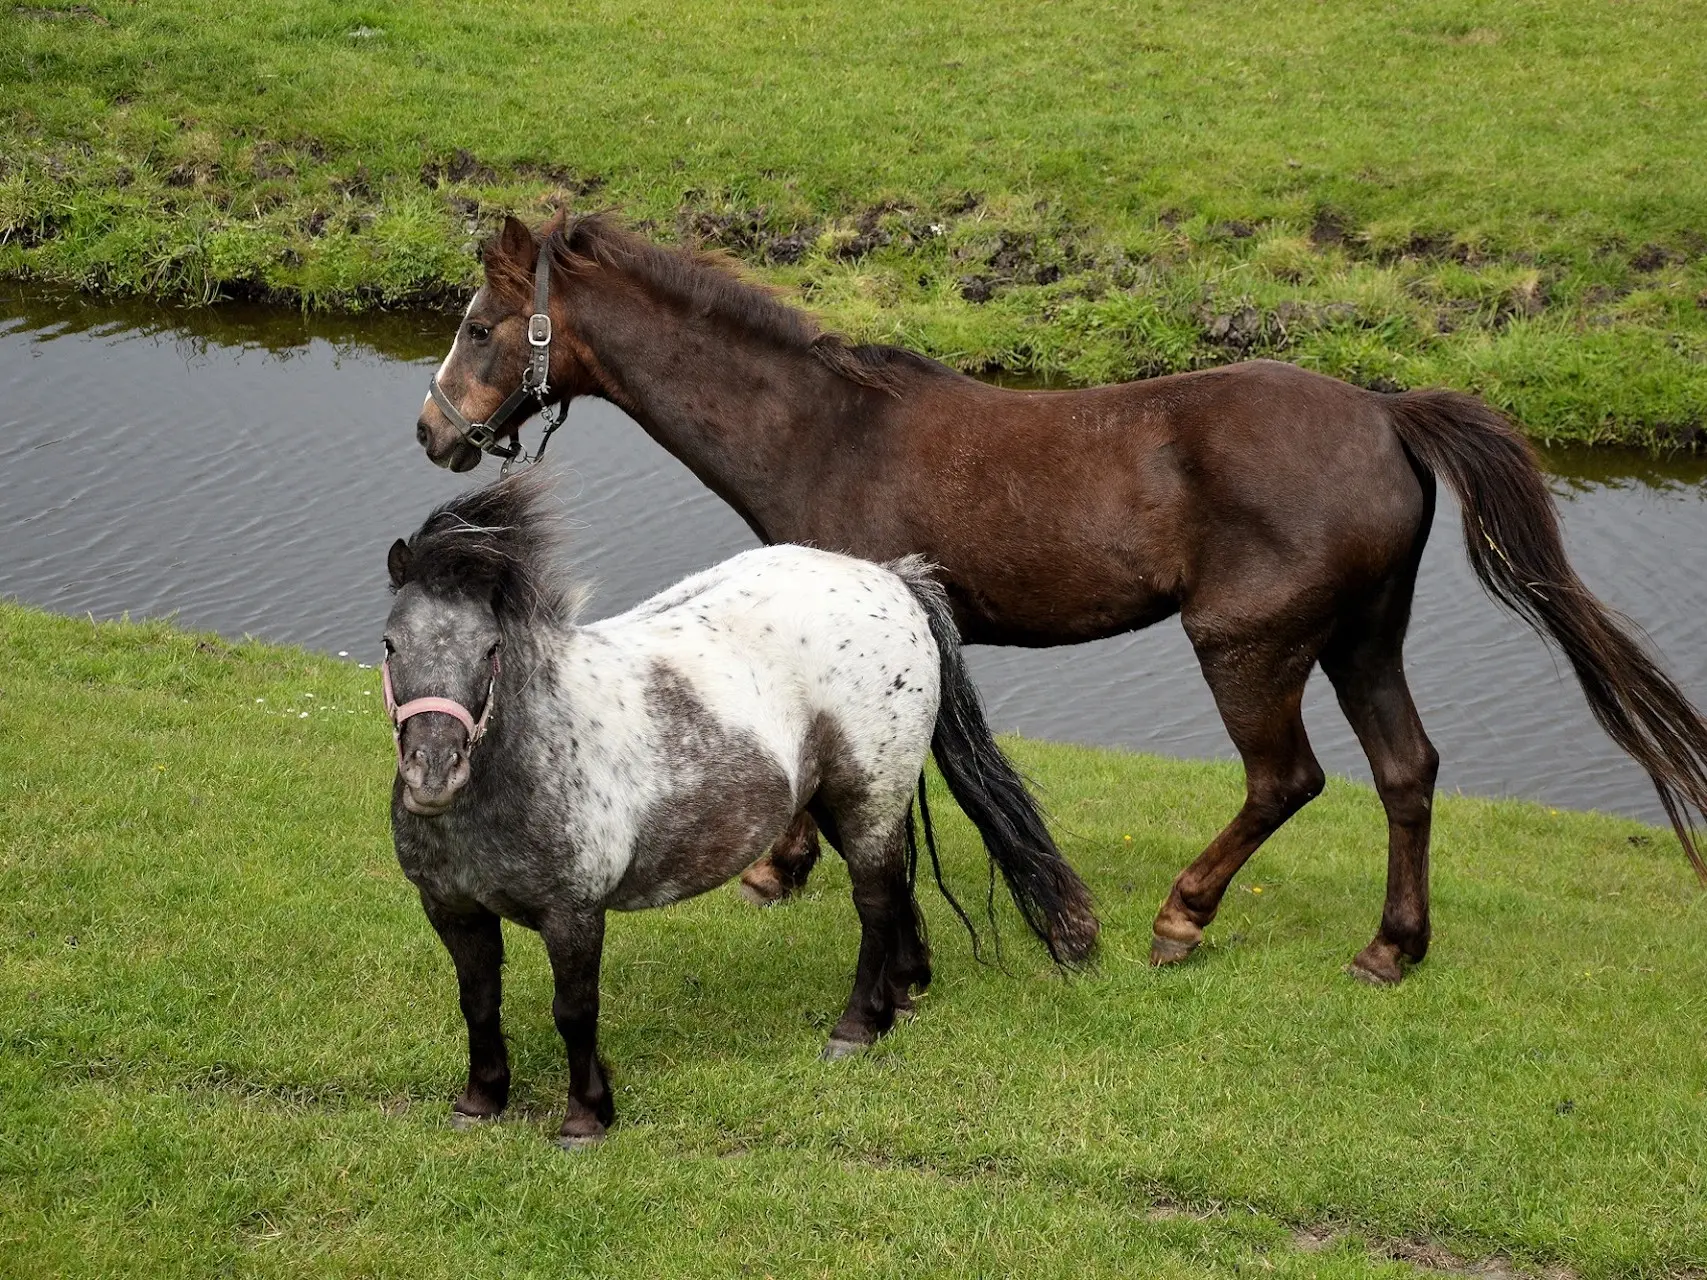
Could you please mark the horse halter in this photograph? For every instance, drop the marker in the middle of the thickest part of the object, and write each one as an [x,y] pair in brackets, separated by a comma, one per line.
[530,397]
[450,707]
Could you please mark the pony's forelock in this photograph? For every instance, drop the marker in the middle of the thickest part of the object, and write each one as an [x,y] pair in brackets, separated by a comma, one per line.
[504,540]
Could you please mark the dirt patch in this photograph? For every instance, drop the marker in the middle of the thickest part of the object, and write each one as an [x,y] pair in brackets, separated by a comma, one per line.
[358,186]
[1329,229]
[461,166]
[1655,257]
[75,13]
[746,232]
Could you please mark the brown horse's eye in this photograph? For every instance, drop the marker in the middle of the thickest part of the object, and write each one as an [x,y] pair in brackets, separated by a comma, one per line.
[479,332]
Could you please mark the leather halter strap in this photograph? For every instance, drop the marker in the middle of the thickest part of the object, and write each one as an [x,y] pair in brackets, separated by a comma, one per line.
[528,398]
[447,706]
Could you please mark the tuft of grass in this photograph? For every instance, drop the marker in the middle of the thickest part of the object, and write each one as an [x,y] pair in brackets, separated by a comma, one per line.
[231,1037]
[1501,198]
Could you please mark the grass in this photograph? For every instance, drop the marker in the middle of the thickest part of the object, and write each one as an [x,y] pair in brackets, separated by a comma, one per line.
[1503,198]
[231,1038]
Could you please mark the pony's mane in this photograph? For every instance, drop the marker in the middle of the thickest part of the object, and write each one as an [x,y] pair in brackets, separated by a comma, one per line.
[499,539]
[710,284]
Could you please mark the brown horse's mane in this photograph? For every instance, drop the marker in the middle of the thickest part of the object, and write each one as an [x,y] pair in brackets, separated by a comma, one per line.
[710,284]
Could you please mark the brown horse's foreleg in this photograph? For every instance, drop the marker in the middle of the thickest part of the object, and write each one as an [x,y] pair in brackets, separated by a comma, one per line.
[575,942]
[475,941]
[1369,678]
[782,872]
[1258,689]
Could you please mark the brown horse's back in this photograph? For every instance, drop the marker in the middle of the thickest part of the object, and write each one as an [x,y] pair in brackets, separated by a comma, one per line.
[1077,514]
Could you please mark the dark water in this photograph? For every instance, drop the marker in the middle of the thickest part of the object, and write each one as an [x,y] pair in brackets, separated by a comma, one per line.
[245,470]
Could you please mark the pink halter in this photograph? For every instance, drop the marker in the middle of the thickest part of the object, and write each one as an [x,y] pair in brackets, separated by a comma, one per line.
[476,728]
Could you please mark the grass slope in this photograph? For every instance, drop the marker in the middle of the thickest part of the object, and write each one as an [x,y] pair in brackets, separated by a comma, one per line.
[230,1038]
[1505,198]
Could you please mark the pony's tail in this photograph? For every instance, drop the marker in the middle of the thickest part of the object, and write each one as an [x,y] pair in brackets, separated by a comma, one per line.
[1511,531]
[1049,894]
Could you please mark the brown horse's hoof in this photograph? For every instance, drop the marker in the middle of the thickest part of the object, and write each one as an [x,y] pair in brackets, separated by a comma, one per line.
[463,1122]
[762,886]
[1169,950]
[1380,964]
[580,1134]
[838,1048]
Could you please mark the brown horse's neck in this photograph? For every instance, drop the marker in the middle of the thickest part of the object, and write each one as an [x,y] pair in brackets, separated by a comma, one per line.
[749,416]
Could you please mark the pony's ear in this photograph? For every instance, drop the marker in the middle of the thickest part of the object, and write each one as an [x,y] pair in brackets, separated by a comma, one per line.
[397,563]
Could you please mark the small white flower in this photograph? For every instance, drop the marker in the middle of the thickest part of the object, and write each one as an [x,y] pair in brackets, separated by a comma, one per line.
[260,699]
[936,228]
[343,653]
[365,666]
[308,695]
[302,715]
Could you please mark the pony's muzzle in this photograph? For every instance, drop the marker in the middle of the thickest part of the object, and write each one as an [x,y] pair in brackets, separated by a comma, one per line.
[433,764]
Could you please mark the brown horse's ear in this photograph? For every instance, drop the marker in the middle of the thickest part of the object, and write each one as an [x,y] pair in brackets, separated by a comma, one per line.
[515,241]
[397,563]
[555,225]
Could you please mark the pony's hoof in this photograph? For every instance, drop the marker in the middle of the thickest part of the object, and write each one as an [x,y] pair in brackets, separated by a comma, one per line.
[838,1048]
[1169,950]
[462,1122]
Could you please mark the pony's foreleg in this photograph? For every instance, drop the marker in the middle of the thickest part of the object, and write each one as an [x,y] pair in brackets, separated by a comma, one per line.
[782,872]
[475,941]
[575,940]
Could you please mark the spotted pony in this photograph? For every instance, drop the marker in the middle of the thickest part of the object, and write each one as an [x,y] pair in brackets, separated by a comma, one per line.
[652,756]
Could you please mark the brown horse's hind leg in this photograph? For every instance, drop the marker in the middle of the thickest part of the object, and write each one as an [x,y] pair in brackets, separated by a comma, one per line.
[782,872]
[1258,687]
[1366,667]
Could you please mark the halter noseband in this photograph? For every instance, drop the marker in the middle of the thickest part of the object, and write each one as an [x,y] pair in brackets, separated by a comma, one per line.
[450,707]
[530,397]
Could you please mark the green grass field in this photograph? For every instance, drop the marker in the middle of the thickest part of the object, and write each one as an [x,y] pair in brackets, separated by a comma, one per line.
[230,1038]
[1505,198]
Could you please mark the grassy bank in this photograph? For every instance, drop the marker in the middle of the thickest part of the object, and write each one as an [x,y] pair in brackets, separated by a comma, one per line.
[1503,198]
[230,1038]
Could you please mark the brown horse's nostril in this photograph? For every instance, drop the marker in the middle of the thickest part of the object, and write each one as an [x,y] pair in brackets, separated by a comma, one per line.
[421,434]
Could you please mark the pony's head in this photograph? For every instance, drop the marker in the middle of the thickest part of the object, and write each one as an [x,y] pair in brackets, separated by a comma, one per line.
[470,582]
[490,358]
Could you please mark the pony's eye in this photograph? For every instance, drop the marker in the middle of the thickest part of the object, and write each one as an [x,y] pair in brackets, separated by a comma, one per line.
[479,332]
[389,647]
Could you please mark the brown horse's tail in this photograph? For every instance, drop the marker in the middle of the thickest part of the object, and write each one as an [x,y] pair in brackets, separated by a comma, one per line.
[1511,531]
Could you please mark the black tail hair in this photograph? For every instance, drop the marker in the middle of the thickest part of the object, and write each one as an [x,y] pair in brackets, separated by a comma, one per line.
[1049,894]
[1511,532]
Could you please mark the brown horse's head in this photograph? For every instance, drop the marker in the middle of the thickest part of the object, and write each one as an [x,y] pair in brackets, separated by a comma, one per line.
[490,352]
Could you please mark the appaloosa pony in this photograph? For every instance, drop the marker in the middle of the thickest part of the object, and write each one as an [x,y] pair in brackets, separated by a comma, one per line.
[1282,514]
[549,772]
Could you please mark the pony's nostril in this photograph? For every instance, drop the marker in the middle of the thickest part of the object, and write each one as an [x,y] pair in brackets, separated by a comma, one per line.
[421,434]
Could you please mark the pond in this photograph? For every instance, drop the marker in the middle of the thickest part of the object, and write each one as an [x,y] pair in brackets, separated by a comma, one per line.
[245,469]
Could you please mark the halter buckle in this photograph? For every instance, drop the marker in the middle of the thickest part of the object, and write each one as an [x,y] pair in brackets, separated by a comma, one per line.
[539,329]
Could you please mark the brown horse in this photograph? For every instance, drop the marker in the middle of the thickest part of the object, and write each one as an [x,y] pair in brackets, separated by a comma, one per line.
[1281,513]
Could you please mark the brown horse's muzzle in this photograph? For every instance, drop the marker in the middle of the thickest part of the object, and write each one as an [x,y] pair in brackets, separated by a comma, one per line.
[433,763]
[445,448]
